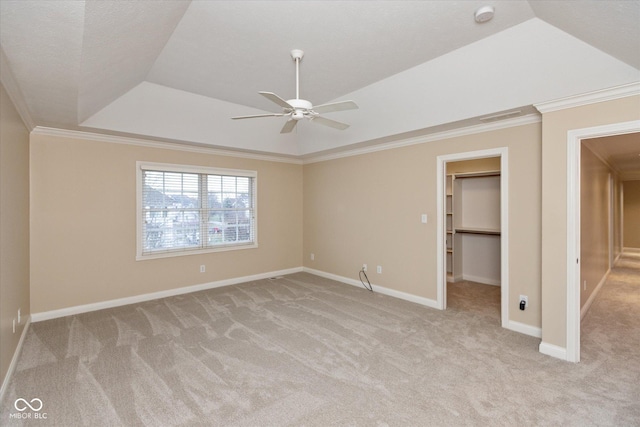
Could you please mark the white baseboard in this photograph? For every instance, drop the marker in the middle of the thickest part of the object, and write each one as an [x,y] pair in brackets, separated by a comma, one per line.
[593,295]
[553,350]
[631,250]
[14,360]
[483,280]
[380,289]
[69,311]
[523,328]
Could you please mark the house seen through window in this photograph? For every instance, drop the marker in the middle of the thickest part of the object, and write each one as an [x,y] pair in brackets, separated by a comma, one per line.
[184,209]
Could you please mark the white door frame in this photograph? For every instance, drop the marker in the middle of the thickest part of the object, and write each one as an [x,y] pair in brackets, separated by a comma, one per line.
[503,153]
[574,141]
[611,218]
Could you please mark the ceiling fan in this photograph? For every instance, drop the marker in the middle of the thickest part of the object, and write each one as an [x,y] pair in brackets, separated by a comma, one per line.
[298,109]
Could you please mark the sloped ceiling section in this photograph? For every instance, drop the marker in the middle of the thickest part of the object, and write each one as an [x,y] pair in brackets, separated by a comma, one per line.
[611,26]
[121,42]
[42,42]
[178,70]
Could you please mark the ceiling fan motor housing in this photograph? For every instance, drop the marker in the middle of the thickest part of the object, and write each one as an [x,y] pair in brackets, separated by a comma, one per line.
[298,109]
[300,104]
[301,107]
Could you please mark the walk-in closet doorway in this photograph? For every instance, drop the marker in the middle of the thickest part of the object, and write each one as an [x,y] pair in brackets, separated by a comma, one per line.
[473,242]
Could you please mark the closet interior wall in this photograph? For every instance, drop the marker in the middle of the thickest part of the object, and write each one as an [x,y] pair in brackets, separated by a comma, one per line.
[473,221]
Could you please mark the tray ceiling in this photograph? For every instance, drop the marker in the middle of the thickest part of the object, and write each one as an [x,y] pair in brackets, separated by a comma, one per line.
[178,70]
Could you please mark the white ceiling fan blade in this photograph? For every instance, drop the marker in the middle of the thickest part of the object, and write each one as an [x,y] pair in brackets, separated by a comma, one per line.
[289,126]
[259,115]
[335,106]
[276,99]
[328,122]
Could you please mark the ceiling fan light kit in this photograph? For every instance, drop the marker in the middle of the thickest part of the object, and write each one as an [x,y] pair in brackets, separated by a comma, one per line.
[298,109]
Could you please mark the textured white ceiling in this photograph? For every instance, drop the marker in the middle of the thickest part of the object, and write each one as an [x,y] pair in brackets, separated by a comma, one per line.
[230,50]
[121,42]
[178,70]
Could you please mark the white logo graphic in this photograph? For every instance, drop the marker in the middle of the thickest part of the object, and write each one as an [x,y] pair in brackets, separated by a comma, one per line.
[21,404]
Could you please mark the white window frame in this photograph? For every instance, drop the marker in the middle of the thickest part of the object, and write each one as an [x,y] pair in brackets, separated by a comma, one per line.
[169,167]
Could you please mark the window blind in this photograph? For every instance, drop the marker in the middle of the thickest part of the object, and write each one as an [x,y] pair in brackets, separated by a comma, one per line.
[184,211]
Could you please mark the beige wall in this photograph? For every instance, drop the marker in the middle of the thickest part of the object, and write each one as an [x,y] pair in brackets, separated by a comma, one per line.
[631,214]
[476,165]
[554,202]
[83,223]
[366,209]
[617,218]
[14,228]
[594,221]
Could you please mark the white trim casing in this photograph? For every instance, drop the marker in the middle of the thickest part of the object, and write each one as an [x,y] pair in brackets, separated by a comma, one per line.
[427,302]
[86,308]
[483,280]
[522,328]
[438,136]
[14,359]
[380,289]
[180,168]
[299,160]
[574,141]
[602,95]
[149,143]
[503,153]
[553,350]
[441,234]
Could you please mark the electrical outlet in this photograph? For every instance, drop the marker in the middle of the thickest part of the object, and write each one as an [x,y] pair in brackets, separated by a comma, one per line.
[14,325]
[313,257]
[423,218]
[379,269]
[525,299]
[364,267]
[203,268]
[18,316]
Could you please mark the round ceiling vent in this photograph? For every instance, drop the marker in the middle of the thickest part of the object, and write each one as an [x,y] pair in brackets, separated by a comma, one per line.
[484,14]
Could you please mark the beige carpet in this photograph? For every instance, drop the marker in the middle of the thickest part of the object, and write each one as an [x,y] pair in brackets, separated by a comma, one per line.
[303,350]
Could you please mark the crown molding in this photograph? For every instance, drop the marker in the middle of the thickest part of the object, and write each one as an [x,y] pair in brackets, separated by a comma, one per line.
[13,90]
[116,139]
[602,95]
[453,133]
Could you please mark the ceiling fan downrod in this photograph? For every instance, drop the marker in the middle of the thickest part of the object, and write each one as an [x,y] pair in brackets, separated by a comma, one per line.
[297,55]
[298,109]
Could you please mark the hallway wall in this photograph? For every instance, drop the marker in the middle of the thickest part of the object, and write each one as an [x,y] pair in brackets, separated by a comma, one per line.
[631,214]
[595,196]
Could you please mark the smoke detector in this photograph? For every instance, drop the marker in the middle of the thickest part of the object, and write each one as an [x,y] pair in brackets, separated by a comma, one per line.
[484,14]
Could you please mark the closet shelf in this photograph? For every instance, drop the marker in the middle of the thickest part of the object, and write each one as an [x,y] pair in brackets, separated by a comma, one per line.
[477,174]
[489,231]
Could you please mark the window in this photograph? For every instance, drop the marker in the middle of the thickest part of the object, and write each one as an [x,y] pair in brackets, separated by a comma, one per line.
[184,210]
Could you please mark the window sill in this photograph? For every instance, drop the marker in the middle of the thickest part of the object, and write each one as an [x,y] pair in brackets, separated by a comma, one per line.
[185,252]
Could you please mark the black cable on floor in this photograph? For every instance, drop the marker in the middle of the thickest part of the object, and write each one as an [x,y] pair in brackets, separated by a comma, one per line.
[369,288]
